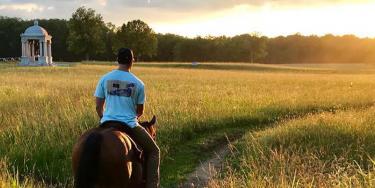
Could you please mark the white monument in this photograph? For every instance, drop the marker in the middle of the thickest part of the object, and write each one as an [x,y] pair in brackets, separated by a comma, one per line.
[36,47]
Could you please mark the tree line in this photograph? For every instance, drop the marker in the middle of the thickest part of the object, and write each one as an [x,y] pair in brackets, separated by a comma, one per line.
[85,36]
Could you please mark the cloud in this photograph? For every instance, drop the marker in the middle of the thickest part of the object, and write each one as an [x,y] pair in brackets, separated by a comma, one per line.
[151,11]
[219,4]
[184,4]
[28,7]
[38,9]
[102,2]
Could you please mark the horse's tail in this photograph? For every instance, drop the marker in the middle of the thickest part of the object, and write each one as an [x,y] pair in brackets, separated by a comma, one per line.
[88,164]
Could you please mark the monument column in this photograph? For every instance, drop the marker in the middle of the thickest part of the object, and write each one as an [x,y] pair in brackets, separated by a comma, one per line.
[23,49]
[49,49]
[45,48]
[40,48]
[32,50]
[24,56]
[50,52]
[27,48]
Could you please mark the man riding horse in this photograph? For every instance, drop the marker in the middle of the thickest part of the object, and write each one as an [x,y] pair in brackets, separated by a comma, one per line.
[123,95]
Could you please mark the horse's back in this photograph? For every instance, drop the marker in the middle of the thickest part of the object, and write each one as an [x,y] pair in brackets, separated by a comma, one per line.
[115,158]
[114,168]
[77,149]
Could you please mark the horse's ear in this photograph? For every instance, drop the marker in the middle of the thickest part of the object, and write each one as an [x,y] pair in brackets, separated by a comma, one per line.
[153,120]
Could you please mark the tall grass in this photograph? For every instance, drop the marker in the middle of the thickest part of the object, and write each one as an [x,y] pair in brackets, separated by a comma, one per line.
[44,110]
[321,150]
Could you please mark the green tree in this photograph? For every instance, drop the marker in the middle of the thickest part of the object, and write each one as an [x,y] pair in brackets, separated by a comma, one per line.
[86,32]
[138,36]
[108,38]
[249,48]
[166,45]
[10,30]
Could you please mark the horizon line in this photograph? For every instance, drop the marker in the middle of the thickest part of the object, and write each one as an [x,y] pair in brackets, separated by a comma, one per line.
[260,34]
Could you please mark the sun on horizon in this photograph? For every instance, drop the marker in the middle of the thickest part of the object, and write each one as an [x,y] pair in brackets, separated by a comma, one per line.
[272,20]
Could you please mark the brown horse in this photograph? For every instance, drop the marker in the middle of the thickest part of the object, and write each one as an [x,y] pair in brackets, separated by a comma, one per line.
[105,157]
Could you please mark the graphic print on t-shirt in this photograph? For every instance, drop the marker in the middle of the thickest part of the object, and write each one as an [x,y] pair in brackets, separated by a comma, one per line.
[120,88]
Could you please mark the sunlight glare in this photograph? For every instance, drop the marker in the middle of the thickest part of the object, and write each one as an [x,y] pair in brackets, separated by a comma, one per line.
[272,21]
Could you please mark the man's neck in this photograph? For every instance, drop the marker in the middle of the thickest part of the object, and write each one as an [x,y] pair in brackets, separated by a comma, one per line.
[124,68]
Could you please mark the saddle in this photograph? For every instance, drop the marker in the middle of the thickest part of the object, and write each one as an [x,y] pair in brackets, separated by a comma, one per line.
[122,127]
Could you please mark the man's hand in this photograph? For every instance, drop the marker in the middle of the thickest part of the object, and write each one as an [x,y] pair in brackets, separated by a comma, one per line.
[100,106]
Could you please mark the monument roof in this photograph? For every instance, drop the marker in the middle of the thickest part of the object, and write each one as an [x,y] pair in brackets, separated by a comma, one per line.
[35,30]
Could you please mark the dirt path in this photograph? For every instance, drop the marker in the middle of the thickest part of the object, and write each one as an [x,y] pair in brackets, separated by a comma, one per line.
[207,170]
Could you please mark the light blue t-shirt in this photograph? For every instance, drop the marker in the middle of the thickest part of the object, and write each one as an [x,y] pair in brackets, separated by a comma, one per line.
[122,91]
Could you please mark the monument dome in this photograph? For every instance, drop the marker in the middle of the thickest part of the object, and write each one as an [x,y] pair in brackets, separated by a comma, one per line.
[35,30]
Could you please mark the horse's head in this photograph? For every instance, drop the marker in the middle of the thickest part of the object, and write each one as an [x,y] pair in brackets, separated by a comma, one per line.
[150,127]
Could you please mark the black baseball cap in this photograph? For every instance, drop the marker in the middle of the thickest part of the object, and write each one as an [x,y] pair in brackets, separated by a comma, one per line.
[124,56]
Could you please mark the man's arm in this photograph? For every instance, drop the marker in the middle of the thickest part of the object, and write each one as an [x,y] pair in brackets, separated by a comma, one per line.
[100,106]
[140,109]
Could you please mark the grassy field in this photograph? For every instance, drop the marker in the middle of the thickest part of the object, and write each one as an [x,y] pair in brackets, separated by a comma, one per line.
[279,112]
[319,150]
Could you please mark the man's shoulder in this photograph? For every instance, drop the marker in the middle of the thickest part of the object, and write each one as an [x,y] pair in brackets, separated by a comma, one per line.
[139,81]
[123,76]
[108,75]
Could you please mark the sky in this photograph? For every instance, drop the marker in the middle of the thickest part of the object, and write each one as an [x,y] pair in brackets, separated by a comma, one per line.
[216,17]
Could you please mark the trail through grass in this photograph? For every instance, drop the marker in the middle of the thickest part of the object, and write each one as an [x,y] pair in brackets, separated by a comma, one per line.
[320,150]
